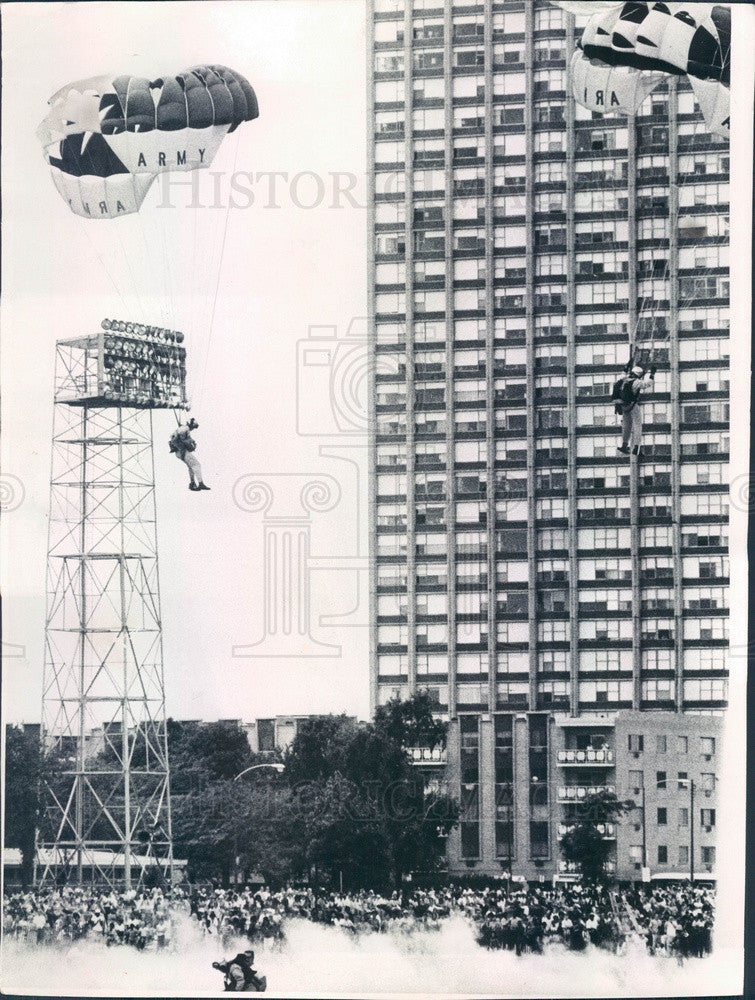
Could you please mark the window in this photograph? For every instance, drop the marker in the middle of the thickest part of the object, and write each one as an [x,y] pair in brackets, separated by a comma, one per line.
[636,743]
[635,780]
[660,780]
[682,744]
[708,818]
[602,692]
[662,854]
[683,854]
[707,746]
[470,840]
[539,839]
[662,816]
[660,744]
[707,782]
[657,689]
[683,818]
[682,780]
[708,855]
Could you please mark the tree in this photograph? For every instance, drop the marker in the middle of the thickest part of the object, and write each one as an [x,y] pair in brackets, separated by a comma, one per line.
[319,748]
[366,812]
[350,802]
[584,843]
[23,776]
[411,722]
[204,760]
[219,749]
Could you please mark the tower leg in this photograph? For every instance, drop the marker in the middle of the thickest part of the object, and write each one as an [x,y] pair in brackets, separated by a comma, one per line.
[107,794]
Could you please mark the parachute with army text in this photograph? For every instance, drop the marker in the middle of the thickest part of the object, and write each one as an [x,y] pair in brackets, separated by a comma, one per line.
[107,138]
[627,49]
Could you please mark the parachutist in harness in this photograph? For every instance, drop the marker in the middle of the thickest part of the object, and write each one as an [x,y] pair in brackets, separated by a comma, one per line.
[183,446]
[627,398]
[240,976]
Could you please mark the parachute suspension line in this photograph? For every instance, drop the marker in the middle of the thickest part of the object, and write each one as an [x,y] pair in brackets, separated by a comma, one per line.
[634,349]
[194,255]
[699,51]
[171,290]
[155,228]
[698,132]
[217,280]
[200,259]
[135,284]
[105,268]
[211,272]
[151,265]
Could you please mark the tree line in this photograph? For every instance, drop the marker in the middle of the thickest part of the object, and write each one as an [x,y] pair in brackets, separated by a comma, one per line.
[345,805]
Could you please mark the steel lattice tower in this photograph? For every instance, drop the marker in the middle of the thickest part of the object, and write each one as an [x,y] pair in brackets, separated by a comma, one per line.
[107,800]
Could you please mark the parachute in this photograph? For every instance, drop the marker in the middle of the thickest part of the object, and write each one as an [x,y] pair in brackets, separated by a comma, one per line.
[107,138]
[627,49]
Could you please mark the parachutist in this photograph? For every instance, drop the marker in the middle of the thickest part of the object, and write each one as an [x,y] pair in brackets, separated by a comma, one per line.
[627,397]
[183,446]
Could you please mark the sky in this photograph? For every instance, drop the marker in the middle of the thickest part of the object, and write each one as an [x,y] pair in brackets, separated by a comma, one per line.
[247,282]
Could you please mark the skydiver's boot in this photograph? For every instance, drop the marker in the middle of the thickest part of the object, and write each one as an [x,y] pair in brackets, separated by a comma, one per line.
[194,487]
[203,486]
[637,450]
[623,448]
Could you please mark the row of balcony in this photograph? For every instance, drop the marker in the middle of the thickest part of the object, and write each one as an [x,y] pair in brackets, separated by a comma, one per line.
[608,830]
[427,755]
[589,756]
[570,868]
[578,793]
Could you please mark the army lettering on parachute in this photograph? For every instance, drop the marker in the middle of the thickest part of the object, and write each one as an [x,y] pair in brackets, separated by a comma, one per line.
[103,208]
[627,49]
[600,100]
[107,138]
[163,159]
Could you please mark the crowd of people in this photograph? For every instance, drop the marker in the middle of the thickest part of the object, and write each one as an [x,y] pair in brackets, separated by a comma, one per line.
[674,920]
[140,918]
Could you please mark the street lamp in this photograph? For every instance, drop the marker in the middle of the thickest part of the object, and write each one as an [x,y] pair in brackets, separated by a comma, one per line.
[280,768]
[276,766]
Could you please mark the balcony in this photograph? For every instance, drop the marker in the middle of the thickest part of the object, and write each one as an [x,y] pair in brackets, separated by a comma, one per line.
[589,757]
[578,793]
[427,755]
[571,868]
[608,830]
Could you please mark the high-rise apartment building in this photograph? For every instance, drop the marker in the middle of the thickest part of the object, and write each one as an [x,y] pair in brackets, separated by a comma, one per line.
[564,603]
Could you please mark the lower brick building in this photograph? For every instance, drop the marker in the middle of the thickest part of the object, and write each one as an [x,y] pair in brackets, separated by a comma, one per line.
[520,778]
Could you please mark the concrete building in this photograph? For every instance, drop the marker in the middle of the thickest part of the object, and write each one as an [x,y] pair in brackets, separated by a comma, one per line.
[524,572]
[278,733]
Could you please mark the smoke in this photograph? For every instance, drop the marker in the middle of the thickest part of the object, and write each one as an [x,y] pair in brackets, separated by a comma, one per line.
[326,961]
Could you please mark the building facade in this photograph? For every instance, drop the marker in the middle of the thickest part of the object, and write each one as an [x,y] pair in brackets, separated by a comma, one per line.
[529,576]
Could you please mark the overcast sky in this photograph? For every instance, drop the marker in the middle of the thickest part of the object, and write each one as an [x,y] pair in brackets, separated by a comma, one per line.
[284,270]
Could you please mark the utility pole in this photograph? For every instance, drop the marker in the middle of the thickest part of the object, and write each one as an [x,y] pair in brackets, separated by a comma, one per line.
[691,831]
[644,832]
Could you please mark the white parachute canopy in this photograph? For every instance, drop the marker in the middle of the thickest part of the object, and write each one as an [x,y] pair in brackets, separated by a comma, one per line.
[626,50]
[713,98]
[606,89]
[585,7]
